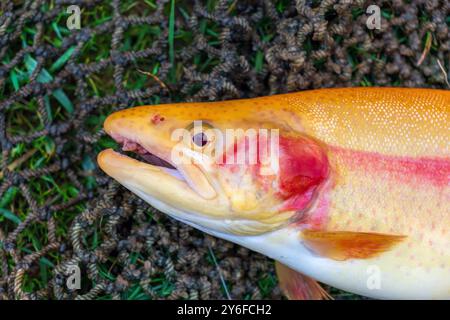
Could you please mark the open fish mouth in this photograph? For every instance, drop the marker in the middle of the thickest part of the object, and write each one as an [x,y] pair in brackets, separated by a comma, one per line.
[135,150]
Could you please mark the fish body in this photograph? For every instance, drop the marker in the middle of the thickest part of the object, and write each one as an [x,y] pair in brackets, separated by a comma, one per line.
[358,196]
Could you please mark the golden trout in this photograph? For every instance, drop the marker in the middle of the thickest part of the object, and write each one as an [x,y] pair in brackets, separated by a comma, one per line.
[349,187]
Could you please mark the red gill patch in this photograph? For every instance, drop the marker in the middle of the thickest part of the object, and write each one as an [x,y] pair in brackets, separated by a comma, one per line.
[303,167]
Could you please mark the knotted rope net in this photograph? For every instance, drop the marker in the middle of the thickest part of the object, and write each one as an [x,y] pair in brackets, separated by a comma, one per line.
[59,212]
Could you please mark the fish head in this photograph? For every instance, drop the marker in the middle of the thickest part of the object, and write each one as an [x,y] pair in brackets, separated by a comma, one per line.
[219,167]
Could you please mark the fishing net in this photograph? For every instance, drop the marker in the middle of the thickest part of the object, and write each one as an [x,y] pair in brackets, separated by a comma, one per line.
[59,212]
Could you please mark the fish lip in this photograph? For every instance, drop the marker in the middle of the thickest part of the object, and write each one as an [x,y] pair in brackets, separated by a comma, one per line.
[138,177]
[110,162]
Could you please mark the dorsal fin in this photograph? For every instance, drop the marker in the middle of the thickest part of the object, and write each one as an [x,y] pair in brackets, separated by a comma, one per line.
[343,245]
[297,286]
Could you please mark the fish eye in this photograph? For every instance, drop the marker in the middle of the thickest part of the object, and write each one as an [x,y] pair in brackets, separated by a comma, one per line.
[201,133]
[200,139]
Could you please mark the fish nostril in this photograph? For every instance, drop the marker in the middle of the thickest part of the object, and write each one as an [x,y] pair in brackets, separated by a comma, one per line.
[157,118]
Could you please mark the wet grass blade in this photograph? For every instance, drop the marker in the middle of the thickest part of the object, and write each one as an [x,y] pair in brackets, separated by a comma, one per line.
[10,216]
[62,60]
[45,77]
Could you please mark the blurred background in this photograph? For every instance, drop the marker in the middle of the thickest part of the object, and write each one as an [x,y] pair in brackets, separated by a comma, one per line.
[66,65]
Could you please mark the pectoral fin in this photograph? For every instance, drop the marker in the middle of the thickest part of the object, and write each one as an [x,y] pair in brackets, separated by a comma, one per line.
[296,286]
[343,245]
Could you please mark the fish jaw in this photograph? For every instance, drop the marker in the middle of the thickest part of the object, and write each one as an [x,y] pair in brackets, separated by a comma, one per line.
[153,180]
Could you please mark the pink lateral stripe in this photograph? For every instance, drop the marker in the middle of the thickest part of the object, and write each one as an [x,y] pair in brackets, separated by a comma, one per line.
[433,170]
